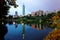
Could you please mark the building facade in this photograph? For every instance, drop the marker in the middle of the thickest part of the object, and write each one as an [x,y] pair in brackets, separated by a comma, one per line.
[37,13]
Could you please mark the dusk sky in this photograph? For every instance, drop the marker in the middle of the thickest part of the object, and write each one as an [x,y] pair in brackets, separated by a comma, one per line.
[35,5]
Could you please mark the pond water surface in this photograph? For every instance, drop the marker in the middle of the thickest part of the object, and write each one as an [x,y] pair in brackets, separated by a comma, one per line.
[30,33]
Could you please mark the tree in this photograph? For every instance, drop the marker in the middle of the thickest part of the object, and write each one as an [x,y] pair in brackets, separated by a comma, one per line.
[58,12]
[3,12]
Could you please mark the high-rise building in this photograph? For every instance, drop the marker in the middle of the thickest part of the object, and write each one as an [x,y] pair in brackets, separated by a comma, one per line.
[23,9]
[16,15]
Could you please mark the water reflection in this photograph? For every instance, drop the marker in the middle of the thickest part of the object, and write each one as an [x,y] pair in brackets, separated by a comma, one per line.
[13,32]
[37,26]
[30,32]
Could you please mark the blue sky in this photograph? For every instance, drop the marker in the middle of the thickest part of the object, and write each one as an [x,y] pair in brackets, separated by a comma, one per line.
[35,5]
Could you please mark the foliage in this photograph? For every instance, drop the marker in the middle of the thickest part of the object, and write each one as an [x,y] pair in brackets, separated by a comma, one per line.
[4,8]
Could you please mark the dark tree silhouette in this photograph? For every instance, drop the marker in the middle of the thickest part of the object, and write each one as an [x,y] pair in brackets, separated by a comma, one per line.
[58,12]
[3,11]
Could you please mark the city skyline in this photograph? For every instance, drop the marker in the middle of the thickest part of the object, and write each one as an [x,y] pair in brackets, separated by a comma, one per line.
[35,5]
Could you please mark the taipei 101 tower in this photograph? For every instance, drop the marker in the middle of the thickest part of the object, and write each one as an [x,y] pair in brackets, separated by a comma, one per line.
[23,9]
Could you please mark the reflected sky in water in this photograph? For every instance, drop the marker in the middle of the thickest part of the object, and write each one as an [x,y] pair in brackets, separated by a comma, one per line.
[30,33]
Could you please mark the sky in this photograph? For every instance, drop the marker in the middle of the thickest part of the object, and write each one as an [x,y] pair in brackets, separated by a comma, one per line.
[35,5]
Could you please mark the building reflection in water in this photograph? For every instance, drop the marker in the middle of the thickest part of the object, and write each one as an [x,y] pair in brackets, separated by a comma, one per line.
[37,26]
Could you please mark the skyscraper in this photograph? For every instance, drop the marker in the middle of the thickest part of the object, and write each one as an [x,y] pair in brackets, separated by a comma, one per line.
[23,9]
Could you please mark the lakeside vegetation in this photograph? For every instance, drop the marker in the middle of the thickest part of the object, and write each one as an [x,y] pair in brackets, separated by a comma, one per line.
[51,20]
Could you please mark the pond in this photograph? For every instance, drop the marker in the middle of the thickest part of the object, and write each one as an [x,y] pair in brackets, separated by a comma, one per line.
[29,34]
